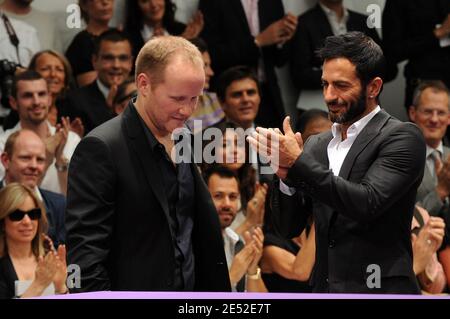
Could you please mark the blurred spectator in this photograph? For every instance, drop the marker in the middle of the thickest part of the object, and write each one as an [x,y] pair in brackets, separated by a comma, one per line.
[43,22]
[31,99]
[427,236]
[418,31]
[97,14]
[56,70]
[24,161]
[27,40]
[251,33]
[148,18]
[22,254]
[125,92]
[208,108]
[112,61]
[328,17]
[430,110]
[242,258]
[313,122]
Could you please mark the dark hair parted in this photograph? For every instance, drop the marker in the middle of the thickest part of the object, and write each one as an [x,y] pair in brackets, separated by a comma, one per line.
[220,170]
[200,44]
[27,75]
[235,73]
[307,117]
[112,35]
[359,49]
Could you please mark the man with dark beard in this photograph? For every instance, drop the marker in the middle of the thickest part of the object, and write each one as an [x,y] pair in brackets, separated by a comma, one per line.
[363,175]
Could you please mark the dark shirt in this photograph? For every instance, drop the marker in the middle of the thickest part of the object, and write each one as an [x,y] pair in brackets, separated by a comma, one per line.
[8,278]
[178,183]
[80,52]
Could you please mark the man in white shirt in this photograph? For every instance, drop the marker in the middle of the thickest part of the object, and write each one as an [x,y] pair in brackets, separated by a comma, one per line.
[242,259]
[31,99]
[363,175]
[430,111]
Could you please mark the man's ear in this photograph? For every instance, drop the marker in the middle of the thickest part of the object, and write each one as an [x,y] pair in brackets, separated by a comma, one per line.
[143,84]
[13,103]
[374,87]
[412,113]
[5,160]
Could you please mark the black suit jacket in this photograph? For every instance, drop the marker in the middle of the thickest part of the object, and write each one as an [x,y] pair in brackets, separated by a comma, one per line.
[230,42]
[408,35]
[117,216]
[312,30]
[89,104]
[363,216]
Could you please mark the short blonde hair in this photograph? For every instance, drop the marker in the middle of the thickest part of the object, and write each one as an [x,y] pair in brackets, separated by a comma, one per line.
[11,197]
[156,54]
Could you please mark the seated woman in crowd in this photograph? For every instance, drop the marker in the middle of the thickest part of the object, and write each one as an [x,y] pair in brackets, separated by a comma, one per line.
[231,153]
[427,236]
[97,15]
[208,110]
[125,92]
[23,222]
[56,70]
[289,252]
[148,18]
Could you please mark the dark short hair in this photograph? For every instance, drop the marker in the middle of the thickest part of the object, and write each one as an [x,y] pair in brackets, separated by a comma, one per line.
[435,85]
[121,89]
[307,117]
[235,73]
[361,50]
[27,75]
[112,35]
[200,44]
[222,171]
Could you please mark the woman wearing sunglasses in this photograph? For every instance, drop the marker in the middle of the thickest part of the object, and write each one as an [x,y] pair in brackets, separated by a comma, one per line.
[22,254]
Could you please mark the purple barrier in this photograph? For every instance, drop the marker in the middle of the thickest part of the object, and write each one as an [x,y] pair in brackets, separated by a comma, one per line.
[221,296]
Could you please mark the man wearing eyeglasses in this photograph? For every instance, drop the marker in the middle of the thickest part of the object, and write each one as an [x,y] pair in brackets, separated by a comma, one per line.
[112,59]
[24,159]
[431,112]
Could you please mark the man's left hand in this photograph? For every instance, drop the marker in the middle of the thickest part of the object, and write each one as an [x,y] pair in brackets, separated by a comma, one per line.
[281,149]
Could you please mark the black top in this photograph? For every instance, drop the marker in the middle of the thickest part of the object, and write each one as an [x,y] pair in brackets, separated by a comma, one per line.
[80,52]
[275,282]
[178,184]
[8,277]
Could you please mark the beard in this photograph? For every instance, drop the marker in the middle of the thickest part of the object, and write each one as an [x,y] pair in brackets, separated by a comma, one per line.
[356,108]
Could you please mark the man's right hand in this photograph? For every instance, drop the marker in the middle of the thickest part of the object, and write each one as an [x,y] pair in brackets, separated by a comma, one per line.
[278,32]
[443,177]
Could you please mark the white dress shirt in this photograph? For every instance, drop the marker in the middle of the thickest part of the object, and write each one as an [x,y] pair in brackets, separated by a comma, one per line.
[337,149]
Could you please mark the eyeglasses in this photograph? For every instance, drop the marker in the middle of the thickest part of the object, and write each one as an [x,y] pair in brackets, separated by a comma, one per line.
[18,214]
[429,113]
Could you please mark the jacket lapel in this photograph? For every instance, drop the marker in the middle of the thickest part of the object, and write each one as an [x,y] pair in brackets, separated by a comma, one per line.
[369,132]
[144,154]
[239,10]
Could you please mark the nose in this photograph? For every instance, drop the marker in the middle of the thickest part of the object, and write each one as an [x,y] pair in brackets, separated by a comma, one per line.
[434,117]
[329,93]
[26,219]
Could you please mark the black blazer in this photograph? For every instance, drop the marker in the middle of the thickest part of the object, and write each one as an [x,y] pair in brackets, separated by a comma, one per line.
[89,104]
[363,216]
[117,216]
[408,35]
[230,42]
[312,30]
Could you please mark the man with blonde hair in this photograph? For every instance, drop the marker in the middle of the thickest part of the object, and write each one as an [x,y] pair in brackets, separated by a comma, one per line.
[136,219]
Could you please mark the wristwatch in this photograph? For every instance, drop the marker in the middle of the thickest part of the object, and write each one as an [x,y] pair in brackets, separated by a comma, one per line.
[63,166]
[255,276]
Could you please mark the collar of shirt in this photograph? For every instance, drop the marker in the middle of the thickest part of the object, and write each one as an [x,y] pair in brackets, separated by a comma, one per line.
[36,190]
[51,128]
[103,88]
[356,127]
[440,149]
[335,23]
[147,32]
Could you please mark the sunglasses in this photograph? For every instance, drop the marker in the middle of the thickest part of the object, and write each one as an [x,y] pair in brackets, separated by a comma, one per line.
[18,214]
